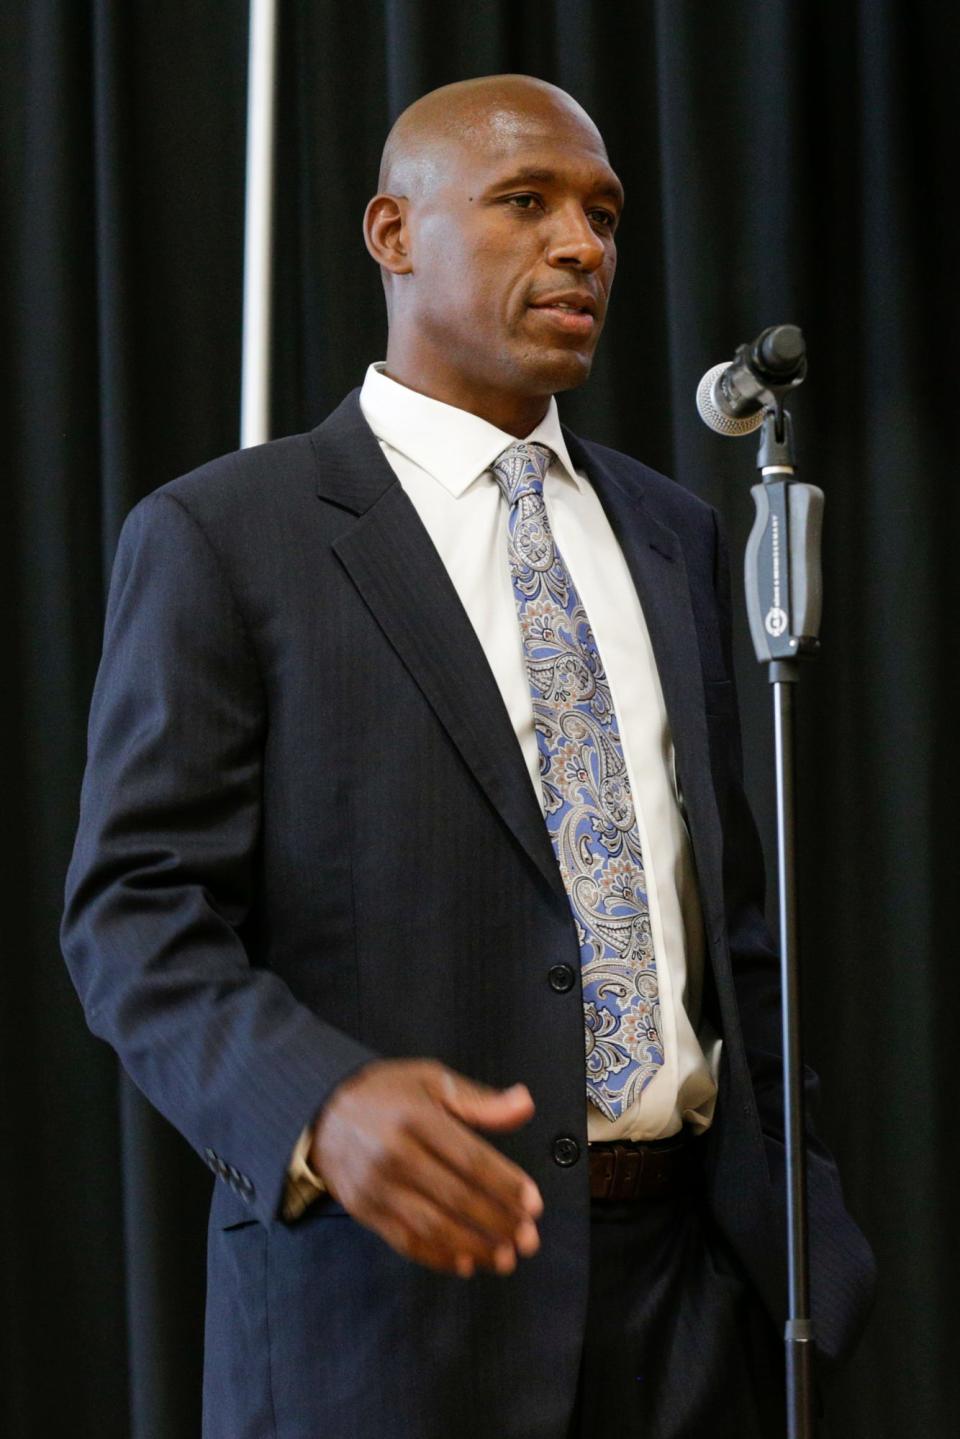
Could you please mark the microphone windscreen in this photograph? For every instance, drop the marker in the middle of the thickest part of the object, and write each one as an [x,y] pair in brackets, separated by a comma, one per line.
[711,414]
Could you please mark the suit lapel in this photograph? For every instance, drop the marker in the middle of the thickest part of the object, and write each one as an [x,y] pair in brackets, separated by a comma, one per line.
[392,561]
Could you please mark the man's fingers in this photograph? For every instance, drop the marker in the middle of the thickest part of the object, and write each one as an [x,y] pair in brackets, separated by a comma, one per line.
[418,1229]
[396,1142]
[480,1166]
[481,1107]
[497,1222]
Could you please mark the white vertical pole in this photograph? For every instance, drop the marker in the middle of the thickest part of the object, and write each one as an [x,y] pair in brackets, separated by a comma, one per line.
[258,226]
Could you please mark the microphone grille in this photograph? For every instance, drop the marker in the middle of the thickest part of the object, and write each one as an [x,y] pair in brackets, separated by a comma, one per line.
[713,417]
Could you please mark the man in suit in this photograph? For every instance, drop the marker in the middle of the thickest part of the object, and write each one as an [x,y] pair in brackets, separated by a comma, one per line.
[414,879]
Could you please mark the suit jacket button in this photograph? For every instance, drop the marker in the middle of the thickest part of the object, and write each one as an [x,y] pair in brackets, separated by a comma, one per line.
[566,1150]
[561,978]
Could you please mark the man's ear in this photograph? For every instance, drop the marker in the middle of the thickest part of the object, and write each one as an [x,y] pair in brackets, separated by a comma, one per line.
[386,235]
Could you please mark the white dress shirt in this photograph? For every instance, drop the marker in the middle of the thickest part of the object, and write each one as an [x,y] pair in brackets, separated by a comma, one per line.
[442,457]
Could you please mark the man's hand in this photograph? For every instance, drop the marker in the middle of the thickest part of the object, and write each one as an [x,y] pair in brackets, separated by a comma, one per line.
[395,1145]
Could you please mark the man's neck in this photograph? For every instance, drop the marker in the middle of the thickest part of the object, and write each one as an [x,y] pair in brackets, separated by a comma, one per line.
[514,414]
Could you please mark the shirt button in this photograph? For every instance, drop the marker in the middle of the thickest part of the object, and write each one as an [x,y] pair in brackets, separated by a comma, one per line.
[566,1150]
[561,978]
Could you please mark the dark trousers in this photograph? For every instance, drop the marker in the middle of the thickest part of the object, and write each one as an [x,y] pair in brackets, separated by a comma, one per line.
[677,1344]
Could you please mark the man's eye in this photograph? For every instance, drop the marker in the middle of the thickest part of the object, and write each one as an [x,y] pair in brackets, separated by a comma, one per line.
[604,218]
[523,202]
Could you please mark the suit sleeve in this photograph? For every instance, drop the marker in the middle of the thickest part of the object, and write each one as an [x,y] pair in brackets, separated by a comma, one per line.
[163,869]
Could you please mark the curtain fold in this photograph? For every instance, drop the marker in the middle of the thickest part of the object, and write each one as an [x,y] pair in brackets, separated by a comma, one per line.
[782,162]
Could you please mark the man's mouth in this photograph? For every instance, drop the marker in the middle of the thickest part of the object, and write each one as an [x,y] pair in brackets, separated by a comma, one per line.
[566,318]
[573,313]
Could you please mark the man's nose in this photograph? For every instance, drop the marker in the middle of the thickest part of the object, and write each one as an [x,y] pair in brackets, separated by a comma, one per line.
[575,242]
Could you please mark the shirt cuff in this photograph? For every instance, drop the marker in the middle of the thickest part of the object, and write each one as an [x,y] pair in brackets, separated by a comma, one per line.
[303,1183]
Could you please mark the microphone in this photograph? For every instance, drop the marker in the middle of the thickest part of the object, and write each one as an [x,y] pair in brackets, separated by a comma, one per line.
[732,397]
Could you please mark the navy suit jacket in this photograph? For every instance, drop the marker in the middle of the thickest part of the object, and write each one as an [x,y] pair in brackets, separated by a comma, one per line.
[308,838]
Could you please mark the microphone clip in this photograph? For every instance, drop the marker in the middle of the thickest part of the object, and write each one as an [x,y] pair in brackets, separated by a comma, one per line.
[763,372]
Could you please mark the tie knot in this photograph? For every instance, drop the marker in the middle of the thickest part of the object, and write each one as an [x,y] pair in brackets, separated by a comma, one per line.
[521,469]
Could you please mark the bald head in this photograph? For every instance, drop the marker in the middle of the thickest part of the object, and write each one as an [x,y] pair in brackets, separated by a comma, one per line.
[492,112]
[494,231]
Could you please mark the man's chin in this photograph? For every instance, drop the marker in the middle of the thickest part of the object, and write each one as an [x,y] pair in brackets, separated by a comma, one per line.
[556,370]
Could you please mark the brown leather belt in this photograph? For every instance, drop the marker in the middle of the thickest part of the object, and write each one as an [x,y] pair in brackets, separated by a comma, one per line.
[654,1169]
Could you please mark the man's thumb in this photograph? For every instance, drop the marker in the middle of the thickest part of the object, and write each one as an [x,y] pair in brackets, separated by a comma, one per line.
[484,1106]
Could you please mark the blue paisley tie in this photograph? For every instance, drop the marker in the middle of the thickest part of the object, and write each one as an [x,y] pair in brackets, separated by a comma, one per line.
[589,807]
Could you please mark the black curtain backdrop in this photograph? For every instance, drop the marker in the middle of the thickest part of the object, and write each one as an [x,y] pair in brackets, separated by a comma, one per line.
[783,160]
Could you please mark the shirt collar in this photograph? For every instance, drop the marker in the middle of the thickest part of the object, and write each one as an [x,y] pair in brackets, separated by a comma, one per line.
[452,445]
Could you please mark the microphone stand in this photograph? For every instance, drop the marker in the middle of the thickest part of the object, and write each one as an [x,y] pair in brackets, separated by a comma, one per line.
[783,595]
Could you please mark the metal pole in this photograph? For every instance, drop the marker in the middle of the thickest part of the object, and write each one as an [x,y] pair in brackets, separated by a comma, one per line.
[258,225]
[782,585]
[798,1333]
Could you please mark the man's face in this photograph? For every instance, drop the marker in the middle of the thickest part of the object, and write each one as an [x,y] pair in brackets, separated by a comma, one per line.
[513,256]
